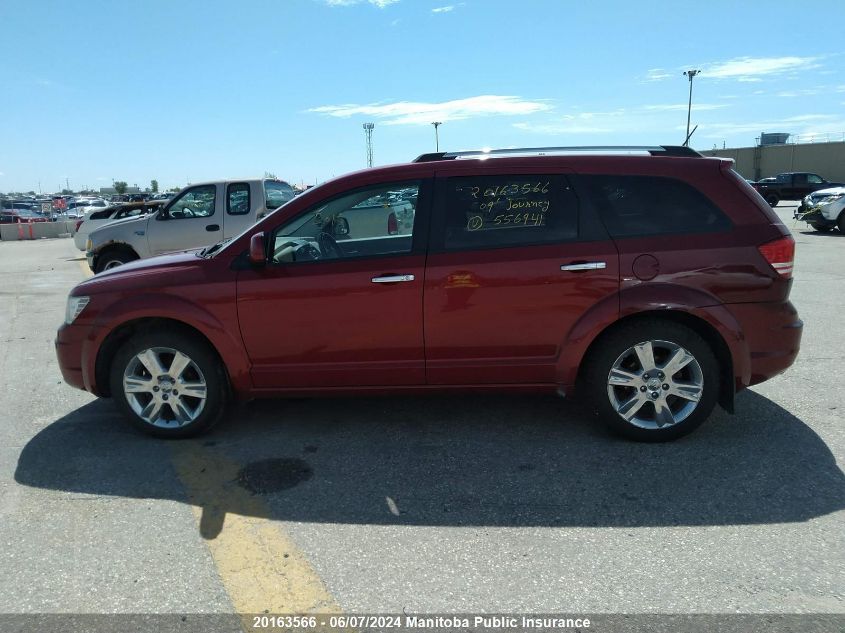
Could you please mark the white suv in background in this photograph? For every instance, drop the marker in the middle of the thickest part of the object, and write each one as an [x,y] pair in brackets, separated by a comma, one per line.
[824,209]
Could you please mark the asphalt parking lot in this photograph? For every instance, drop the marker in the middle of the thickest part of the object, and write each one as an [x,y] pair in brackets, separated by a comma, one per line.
[472,504]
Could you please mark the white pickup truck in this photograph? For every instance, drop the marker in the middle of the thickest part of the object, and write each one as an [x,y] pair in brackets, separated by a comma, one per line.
[197,216]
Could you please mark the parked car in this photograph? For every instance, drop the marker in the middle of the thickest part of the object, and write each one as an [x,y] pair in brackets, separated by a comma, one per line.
[21,216]
[823,209]
[654,281]
[791,186]
[199,215]
[111,214]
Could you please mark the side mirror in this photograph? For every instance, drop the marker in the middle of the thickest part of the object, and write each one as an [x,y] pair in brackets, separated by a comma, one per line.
[341,227]
[257,252]
[162,214]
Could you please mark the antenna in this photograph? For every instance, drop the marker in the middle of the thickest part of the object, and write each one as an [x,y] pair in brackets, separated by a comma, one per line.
[368,134]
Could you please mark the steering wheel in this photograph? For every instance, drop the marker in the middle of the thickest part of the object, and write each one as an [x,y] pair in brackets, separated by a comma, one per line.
[329,246]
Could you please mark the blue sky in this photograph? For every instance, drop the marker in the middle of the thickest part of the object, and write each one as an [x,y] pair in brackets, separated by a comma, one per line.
[187,91]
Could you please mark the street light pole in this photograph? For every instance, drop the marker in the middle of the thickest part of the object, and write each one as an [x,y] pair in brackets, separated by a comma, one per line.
[690,74]
[436,125]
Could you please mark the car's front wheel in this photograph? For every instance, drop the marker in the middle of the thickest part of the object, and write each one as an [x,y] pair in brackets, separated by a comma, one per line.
[821,228]
[772,199]
[169,384]
[653,381]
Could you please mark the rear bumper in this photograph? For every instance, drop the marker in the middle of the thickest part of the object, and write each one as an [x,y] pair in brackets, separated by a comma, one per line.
[773,335]
[69,351]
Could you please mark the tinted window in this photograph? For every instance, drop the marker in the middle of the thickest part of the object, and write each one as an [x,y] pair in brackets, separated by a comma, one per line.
[649,205]
[237,198]
[197,202]
[278,193]
[492,211]
[813,178]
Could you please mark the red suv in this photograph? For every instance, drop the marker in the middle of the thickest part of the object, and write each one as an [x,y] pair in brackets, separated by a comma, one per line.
[652,280]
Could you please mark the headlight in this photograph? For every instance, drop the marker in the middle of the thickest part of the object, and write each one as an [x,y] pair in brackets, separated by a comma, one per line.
[75,306]
[830,199]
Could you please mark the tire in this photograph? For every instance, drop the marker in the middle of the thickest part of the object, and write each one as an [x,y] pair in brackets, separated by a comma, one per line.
[616,353]
[113,258]
[840,222]
[772,199]
[821,228]
[155,406]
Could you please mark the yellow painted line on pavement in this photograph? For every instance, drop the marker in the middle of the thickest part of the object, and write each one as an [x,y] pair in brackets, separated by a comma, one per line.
[83,264]
[260,566]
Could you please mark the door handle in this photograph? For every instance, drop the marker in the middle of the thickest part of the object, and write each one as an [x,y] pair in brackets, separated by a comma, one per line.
[581,266]
[212,227]
[392,279]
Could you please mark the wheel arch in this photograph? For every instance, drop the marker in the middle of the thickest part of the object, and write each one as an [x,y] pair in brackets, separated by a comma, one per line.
[727,385]
[122,333]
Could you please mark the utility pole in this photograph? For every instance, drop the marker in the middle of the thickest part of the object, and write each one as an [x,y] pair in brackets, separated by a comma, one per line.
[690,74]
[436,125]
[368,135]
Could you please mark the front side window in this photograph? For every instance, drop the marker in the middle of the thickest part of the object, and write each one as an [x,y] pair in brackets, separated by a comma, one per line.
[507,210]
[652,205]
[197,202]
[278,193]
[237,198]
[368,222]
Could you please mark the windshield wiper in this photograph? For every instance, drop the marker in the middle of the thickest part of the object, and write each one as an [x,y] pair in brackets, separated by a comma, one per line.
[208,251]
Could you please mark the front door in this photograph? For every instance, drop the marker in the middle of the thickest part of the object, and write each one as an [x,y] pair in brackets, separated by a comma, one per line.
[191,220]
[513,265]
[339,302]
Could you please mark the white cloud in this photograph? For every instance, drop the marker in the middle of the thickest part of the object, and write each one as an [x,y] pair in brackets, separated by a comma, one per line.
[2,174]
[657,74]
[381,4]
[801,125]
[682,107]
[445,9]
[744,69]
[752,68]
[422,113]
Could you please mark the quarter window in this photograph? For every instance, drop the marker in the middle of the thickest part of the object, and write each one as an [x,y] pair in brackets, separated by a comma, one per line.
[197,202]
[649,205]
[367,222]
[237,198]
[507,210]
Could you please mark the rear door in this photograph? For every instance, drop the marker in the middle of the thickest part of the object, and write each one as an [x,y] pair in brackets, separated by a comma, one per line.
[513,264]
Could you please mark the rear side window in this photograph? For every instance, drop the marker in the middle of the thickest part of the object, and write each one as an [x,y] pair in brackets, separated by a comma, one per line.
[507,210]
[278,193]
[652,205]
[237,198]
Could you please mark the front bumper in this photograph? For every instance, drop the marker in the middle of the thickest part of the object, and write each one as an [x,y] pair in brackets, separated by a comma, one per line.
[69,351]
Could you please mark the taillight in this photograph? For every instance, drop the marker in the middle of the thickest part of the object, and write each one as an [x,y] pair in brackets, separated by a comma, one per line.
[392,224]
[780,254]
[78,224]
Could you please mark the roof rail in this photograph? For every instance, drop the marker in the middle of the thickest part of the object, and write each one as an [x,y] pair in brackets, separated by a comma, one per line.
[653,150]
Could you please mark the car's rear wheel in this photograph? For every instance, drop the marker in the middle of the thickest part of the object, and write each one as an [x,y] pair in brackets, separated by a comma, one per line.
[772,199]
[169,384]
[653,381]
[113,258]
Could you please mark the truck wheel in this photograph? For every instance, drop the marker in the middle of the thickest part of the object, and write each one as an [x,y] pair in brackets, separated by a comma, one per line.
[772,199]
[821,228]
[169,384]
[653,381]
[114,258]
